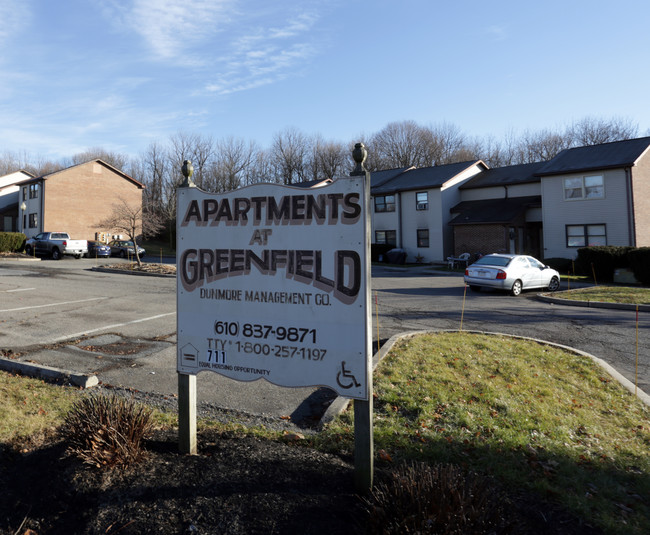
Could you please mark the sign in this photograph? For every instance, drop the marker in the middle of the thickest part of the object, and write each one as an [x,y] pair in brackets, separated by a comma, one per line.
[272,284]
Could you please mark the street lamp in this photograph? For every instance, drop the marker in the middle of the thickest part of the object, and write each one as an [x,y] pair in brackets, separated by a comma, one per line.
[23,207]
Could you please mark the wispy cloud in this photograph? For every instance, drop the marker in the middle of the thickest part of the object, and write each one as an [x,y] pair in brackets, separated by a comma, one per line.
[15,16]
[265,55]
[170,27]
[498,33]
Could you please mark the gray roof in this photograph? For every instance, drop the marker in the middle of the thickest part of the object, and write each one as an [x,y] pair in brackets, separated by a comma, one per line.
[606,156]
[422,178]
[493,210]
[505,176]
[377,178]
[312,183]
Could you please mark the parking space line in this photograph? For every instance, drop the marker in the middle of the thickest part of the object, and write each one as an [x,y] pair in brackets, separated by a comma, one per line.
[54,304]
[106,327]
[20,290]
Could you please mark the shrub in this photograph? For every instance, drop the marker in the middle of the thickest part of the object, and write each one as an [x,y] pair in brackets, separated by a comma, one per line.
[602,260]
[640,263]
[12,241]
[108,431]
[419,498]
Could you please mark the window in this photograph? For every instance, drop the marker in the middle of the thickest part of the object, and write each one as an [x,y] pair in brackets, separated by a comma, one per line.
[585,235]
[385,203]
[423,237]
[33,191]
[24,193]
[33,221]
[422,200]
[386,237]
[584,187]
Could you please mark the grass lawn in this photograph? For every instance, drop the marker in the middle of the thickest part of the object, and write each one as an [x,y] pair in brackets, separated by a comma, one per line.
[537,418]
[609,294]
[156,248]
[533,416]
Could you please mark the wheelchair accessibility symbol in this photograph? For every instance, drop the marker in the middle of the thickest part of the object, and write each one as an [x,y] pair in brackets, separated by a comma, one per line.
[349,380]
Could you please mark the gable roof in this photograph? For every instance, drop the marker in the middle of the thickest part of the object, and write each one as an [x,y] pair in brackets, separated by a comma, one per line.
[377,178]
[101,162]
[421,178]
[505,176]
[605,156]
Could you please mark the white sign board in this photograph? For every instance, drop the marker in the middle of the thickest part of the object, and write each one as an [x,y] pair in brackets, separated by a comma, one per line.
[272,284]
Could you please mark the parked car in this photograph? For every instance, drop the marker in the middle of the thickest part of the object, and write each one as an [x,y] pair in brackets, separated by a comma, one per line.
[512,273]
[124,248]
[56,244]
[97,248]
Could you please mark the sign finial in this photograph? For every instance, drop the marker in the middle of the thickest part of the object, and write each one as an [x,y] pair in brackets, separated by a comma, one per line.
[360,153]
[188,171]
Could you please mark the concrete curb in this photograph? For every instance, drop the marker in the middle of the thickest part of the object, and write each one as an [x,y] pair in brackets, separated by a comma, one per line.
[26,259]
[592,304]
[340,403]
[39,370]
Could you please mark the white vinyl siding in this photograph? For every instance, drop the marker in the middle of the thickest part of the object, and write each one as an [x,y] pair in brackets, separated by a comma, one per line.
[559,213]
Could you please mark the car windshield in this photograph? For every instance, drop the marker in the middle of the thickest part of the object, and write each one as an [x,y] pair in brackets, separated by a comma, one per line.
[493,260]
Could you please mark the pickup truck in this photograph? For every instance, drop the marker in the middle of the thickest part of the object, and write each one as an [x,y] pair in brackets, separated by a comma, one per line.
[56,244]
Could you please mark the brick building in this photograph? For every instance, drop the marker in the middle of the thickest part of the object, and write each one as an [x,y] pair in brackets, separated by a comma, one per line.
[75,200]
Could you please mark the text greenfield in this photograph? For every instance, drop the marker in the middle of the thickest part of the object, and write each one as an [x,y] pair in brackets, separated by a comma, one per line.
[208,263]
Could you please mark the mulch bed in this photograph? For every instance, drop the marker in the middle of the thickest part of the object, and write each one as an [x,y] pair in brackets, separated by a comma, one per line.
[235,485]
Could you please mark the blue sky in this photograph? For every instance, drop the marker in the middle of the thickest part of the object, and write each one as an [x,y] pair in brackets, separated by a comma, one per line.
[121,74]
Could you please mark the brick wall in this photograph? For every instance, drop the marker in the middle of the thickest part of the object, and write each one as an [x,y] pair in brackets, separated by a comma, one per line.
[78,198]
[480,239]
[641,186]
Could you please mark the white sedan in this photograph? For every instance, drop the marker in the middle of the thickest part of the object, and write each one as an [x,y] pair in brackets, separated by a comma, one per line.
[512,273]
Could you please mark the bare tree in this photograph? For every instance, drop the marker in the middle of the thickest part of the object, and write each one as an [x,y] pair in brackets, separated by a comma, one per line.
[115,159]
[155,163]
[288,155]
[448,145]
[401,144]
[541,146]
[261,169]
[233,158]
[17,161]
[330,159]
[130,219]
[595,131]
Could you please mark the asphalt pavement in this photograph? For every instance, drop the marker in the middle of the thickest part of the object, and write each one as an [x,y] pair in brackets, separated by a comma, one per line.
[121,329]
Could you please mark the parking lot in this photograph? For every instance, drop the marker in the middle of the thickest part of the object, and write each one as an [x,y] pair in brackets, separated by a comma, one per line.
[122,328]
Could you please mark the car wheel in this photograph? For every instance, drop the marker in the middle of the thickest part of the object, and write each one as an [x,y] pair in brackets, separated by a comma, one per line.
[516,288]
[122,254]
[554,285]
[474,288]
[56,254]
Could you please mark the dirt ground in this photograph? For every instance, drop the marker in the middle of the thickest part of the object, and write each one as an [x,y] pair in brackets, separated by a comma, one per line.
[235,485]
